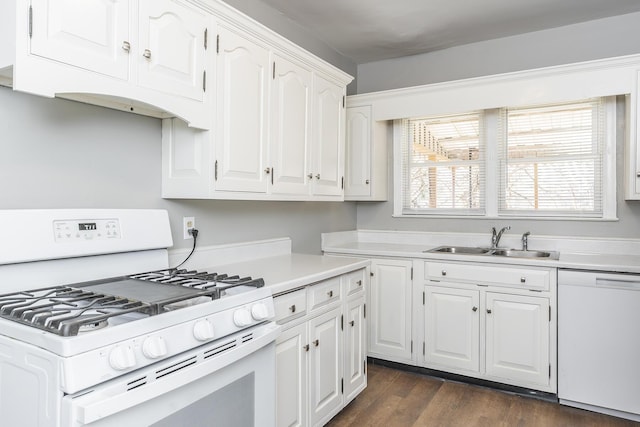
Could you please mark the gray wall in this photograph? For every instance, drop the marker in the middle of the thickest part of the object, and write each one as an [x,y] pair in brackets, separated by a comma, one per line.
[602,38]
[592,40]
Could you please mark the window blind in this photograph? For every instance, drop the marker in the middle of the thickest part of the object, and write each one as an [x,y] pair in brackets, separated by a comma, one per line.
[551,160]
[443,165]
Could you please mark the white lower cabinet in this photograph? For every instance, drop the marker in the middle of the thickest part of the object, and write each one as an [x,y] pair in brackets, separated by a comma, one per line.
[491,328]
[320,356]
[390,305]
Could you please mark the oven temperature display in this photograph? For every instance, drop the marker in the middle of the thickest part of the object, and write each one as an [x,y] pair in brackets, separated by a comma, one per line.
[83,230]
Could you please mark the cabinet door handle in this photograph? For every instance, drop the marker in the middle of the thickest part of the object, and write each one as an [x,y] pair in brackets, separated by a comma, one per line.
[638,174]
[475,309]
[293,308]
[488,311]
[267,171]
[316,343]
[147,54]
[126,46]
[352,323]
[359,282]
[310,176]
[306,347]
[330,294]
[523,279]
[317,176]
[444,272]
[366,182]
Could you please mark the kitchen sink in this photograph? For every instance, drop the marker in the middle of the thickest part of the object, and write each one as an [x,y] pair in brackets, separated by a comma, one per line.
[509,253]
[460,250]
[518,253]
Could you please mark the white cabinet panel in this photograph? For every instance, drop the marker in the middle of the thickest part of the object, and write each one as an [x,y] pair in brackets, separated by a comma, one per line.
[328,138]
[358,152]
[452,328]
[172,47]
[291,127]
[518,337]
[325,391]
[291,377]
[390,319]
[89,34]
[242,95]
[355,378]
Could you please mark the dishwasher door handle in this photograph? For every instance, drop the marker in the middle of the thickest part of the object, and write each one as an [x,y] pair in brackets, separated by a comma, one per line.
[632,285]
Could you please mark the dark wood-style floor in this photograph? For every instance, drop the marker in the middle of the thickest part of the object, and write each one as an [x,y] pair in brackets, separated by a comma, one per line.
[395,398]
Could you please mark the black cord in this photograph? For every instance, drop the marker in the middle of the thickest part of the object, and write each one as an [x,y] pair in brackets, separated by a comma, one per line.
[194,233]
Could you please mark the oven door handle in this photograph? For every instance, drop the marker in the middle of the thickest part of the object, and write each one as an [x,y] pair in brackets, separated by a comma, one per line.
[93,406]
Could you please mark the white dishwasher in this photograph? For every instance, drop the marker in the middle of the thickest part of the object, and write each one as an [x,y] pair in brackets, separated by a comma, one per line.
[599,342]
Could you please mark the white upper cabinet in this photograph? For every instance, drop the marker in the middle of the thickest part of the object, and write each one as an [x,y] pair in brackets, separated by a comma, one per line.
[290,126]
[279,124]
[366,154]
[142,56]
[242,111]
[172,48]
[96,42]
[327,165]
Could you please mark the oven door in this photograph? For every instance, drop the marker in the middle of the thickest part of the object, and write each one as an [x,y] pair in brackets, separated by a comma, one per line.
[229,382]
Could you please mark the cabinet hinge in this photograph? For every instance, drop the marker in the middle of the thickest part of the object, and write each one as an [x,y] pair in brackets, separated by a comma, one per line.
[30,21]
[549,370]
[411,273]
[343,182]
[342,322]
[342,385]
[344,101]
[365,311]
[411,346]
[364,366]
[218,43]
[206,37]
[274,70]
[204,80]
[424,298]
[215,172]
[549,313]
[424,346]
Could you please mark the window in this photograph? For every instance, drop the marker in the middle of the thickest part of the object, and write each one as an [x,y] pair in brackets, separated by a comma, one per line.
[553,161]
[443,161]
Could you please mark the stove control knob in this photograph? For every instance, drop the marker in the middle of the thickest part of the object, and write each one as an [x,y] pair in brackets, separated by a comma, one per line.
[154,347]
[203,330]
[242,318]
[259,311]
[122,357]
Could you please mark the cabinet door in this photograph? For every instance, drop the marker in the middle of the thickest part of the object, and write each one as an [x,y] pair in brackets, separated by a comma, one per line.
[242,94]
[328,138]
[325,366]
[172,48]
[358,149]
[452,328]
[291,377]
[355,378]
[517,338]
[89,34]
[291,127]
[390,317]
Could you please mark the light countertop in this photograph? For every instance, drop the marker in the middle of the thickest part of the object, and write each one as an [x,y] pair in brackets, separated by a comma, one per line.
[284,273]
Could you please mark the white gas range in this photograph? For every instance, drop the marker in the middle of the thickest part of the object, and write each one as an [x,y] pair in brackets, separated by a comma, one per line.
[96,329]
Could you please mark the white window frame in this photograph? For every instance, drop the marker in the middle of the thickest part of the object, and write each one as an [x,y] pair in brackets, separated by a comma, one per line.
[492,174]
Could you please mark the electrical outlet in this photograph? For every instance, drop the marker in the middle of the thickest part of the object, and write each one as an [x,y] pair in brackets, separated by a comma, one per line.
[188,223]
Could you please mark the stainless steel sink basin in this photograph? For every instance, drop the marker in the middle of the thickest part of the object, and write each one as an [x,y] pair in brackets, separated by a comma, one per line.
[511,253]
[517,253]
[459,250]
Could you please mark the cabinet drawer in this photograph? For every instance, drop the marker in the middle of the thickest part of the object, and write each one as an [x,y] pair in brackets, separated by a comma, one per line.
[324,293]
[354,282]
[290,306]
[508,276]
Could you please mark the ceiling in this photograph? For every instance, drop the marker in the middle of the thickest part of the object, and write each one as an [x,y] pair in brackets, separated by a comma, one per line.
[372,30]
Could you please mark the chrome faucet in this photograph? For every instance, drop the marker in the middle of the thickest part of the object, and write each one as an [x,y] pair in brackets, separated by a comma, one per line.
[525,241]
[495,237]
